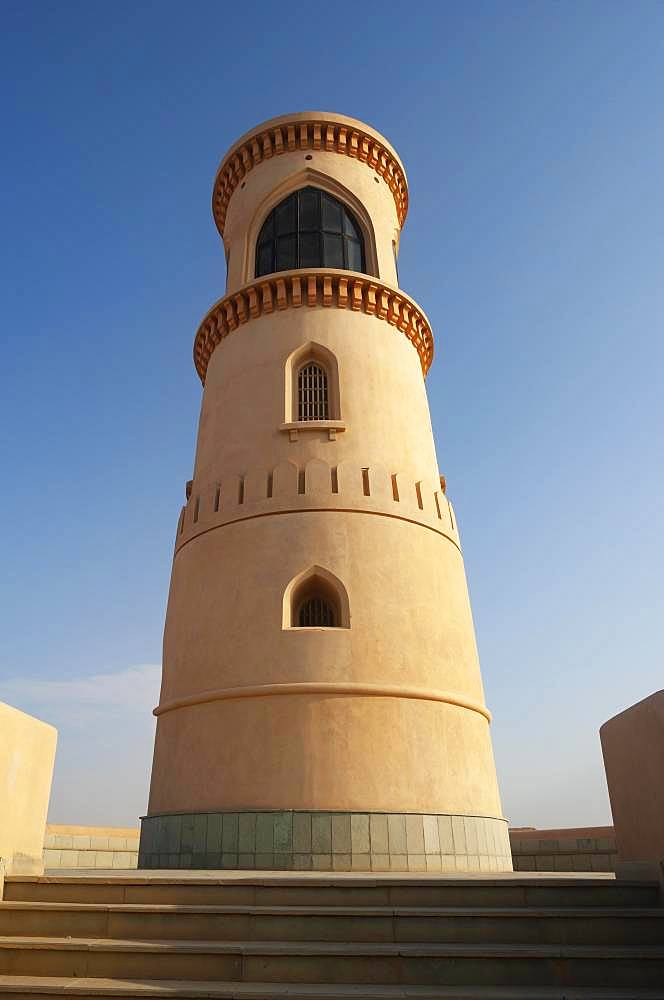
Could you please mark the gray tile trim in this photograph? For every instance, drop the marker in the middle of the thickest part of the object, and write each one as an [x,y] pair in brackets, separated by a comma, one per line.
[291,840]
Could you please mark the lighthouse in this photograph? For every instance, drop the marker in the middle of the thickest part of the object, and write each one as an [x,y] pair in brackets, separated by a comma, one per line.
[321,705]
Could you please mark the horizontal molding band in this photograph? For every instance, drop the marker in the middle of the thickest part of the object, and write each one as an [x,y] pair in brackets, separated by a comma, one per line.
[315,510]
[351,690]
[320,133]
[281,810]
[308,287]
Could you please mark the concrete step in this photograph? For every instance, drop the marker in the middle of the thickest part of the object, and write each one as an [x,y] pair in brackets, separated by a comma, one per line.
[318,962]
[276,890]
[15,987]
[25,987]
[479,925]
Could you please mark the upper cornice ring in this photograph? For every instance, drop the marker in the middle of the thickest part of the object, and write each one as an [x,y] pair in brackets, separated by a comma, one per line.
[308,130]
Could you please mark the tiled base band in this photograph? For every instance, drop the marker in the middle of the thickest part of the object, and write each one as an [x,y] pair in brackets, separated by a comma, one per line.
[330,841]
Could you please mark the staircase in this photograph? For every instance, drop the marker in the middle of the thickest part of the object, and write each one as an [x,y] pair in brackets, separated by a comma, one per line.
[341,936]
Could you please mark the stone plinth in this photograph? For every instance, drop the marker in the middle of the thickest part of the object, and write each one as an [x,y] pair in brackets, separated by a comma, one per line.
[633,748]
[27,754]
[319,841]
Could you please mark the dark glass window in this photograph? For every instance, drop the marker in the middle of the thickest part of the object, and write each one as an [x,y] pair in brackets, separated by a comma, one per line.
[316,611]
[309,228]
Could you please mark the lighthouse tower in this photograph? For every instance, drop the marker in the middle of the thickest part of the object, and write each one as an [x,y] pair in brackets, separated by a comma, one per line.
[321,703]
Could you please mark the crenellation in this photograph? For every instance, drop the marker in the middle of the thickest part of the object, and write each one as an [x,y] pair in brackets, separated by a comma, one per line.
[452,518]
[284,480]
[346,486]
[349,482]
[255,486]
[229,492]
[317,478]
[380,484]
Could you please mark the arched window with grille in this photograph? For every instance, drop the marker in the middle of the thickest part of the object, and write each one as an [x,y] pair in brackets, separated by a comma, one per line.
[316,611]
[311,388]
[309,228]
[312,392]
[316,598]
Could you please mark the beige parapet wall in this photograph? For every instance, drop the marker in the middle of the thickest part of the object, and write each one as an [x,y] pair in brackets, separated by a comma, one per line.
[27,755]
[90,847]
[575,849]
[633,748]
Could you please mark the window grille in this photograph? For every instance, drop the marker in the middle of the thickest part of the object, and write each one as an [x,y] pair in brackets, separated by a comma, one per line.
[312,395]
[316,611]
[309,228]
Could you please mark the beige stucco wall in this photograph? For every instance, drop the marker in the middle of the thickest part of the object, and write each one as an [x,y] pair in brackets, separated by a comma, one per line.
[383,400]
[312,751]
[387,714]
[27,755]
[633,748]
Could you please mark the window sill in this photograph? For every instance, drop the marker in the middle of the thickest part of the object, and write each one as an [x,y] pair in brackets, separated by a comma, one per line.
[316,628]
[331,426]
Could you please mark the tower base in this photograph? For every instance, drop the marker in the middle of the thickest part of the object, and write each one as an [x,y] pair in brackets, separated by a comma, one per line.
[325,841]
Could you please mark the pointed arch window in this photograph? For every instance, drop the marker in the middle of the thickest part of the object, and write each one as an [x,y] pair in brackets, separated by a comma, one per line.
[309,228]
[316,599]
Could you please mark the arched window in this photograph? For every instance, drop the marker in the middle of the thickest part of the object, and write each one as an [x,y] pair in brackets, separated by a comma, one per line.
[312,393]
[309,228]
[316,611]
[316,598]
[311,384]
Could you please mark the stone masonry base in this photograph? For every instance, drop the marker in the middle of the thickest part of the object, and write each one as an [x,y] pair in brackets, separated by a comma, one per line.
[325,841]
[90,847]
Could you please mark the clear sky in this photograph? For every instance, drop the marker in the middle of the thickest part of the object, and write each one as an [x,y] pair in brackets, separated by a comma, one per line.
[533,138]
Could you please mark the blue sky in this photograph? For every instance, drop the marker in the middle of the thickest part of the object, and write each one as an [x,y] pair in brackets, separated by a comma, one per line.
[533,141]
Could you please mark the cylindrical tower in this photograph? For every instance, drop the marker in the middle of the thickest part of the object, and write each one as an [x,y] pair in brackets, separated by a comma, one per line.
[321,703]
